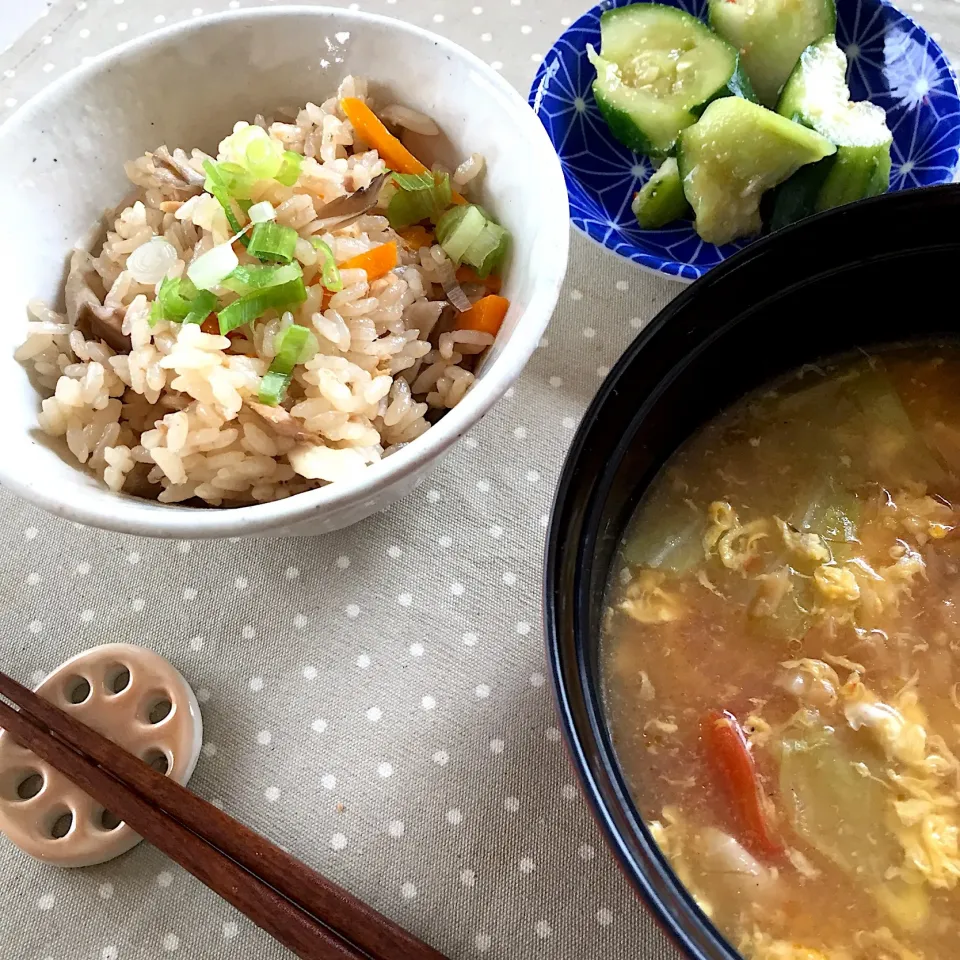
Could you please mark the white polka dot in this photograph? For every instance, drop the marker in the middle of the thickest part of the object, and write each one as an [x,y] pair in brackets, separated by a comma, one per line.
[33,579]
[109,953]
[526,865]
[248,631]
[234,4]
[543,344]
[470,442]
[83,569]
[496,746]
[408,890]
[196,11]
[576,294]
[138,604]
[395,829]
[433,496]
[272,794]
[428,702]
[482,691]
[456,589]
[468,877]
[537,680]
[589,332]
[482,942]
[203,694]
[385,769]
[264,737]
[532,476]
[86,615]
[476,11]
[309,673]
[511,804]
[105,890]
[189,593]
[338,841]
[352,611]
[543,929]
[496,64]
[122,27]
[230,930]
[37,677]
[438,18]
[299,621]
[523,628]
[405,599]
[318,725]
[209,749]
[551,735]
[441,758]
[394,552]
[454,817]
[363,661]
[495,532]
[164,878]
[469,639]
[46,902]
[48,68]
[486,37]
[255,684]
[520,433]
[343,562]
[30,533]
[623,285]
[568,791]
[565,21]
[416,649]
[328,781]
[171,942]
[374,714]
[240,583]
[568,423]
[291,573]
[483,486]
[510,579]
[526,28]
[445,541]
[556,381]
[604,917]
[602,371]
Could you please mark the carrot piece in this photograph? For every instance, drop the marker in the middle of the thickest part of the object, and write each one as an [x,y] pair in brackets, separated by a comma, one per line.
[466,274]
[485,315]
[372,130]
[416,237]
[728,753]
[377,262]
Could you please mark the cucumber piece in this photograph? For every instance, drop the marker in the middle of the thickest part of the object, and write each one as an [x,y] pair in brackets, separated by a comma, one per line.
[771,35]
[661,200]
[817,96]
[656,70]
[732,155]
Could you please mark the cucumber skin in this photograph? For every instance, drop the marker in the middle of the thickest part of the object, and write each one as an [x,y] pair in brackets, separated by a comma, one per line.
[797,197]
[661,199]
[624,128]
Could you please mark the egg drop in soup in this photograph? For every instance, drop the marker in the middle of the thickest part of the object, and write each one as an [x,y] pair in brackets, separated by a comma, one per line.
[781,658]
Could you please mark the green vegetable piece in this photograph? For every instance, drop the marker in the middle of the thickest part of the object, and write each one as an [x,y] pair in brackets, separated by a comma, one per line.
[661,200]
[174,300]
[264,158]
[771,35]
[487,252]
[216,186]
[658,67]
[246,279]
[732,156]
[459,228]
[418,196]
[289,171]
[254,305]
[292,345]
[668,538]
[273,241]
[329,271]
[201,307]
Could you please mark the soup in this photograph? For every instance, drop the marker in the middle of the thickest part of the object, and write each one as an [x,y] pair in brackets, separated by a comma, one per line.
[781,657]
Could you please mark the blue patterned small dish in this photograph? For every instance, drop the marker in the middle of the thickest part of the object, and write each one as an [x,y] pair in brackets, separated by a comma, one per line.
[893,63]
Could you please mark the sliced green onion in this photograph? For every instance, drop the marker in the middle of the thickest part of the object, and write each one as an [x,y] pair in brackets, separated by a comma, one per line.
[246,279]
[213,267]
[273,241]
[264,157]
[464,232]
[293,345]
[486,253]
[262,212]
[201,307]
[329,270]
[289,172]
[418,196]
[173,300]
[237,179]
[217,187]
[254,305]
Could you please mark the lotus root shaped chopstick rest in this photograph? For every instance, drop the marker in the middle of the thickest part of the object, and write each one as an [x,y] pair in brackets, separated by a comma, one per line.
[135,698]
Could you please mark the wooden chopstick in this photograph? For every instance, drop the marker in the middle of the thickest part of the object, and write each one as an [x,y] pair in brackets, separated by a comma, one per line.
[162,801]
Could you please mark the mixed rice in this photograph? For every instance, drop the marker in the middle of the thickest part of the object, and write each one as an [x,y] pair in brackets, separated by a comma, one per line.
[154,395]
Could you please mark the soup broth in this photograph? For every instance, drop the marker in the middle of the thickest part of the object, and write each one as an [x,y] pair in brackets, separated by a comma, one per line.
[781,657]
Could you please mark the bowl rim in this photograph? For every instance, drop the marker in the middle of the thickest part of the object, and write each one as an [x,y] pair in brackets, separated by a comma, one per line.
[127,514]
[667,267]
[571,532]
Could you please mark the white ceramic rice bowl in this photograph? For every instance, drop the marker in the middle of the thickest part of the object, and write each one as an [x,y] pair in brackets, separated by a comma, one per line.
[61,165]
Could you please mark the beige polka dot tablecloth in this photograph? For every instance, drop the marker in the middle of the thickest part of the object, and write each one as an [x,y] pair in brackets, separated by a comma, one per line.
[376,701]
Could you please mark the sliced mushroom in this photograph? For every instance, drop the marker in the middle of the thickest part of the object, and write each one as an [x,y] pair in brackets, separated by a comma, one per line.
[175,169]
[85,309]
[345,210]
[282,422]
